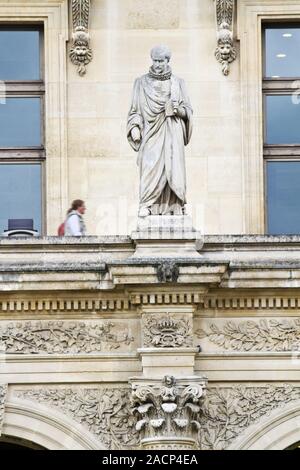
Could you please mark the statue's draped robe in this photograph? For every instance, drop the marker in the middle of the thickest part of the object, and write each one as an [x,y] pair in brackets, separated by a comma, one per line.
[161,150]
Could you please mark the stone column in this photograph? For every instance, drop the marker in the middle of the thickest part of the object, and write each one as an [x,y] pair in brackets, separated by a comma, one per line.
[167,398]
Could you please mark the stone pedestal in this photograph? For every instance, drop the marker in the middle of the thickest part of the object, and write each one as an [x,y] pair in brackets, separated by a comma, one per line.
[166,237]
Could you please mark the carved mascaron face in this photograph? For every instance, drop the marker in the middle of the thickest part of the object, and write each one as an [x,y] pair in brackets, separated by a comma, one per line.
[81,52]
[225,50]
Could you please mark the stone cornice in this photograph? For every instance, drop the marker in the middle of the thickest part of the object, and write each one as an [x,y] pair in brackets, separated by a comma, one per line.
[106,264]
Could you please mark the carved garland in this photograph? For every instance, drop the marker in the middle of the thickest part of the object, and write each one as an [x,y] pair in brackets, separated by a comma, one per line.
[265,335]
[62,337]
[80,52]
[3,393]
[104,412]
[226,413]
[167,332]
[225,52]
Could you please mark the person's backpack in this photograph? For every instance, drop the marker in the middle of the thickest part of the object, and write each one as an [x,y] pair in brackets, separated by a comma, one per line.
[61,230]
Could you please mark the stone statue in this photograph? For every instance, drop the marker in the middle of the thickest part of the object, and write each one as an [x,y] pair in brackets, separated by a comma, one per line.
[159,126]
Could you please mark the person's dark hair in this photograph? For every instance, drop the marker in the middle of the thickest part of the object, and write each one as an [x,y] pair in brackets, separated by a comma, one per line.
[75,205]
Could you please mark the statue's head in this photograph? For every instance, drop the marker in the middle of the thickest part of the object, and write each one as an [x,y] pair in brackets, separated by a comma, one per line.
[160,56]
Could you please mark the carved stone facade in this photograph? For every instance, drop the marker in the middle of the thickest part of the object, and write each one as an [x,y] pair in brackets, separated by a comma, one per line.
[167,272]
[264,335]
[63,337]
[228,412]
[3,393]
[104,411]
[225,52]
[80,52]
[167,331]
[83,320]
[168,411]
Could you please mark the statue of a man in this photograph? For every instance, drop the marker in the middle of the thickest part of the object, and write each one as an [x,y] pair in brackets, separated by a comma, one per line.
[159,126]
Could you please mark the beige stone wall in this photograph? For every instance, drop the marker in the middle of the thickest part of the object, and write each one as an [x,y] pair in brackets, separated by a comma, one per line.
[102,166]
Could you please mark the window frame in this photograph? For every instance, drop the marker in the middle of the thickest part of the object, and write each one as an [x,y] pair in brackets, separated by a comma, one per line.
[275,87]
[27,89]
[250,16]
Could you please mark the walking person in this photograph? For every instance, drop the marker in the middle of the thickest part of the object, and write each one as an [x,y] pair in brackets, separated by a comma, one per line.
[74,224]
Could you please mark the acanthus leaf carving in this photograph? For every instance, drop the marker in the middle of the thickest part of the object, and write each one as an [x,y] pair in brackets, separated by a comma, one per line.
[62,337]
[167,331]
[264,335]
[168,408]
[225,52]
[105,412]
[80,52]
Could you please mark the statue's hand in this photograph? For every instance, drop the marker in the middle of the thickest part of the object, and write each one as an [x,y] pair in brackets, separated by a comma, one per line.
[169,108]
[179,110]
[136,134]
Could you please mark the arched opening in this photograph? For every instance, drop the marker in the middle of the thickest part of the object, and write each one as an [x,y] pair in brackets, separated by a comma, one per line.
[294,446]
[12,443]
[279,430]
[37,427]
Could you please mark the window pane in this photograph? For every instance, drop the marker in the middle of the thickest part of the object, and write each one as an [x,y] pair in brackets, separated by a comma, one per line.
[282,47]
[282,119]
[20,124]
[283,190]
[20,194]
[19,55]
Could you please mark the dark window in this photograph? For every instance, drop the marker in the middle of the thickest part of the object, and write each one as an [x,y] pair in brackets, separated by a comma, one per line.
[20,193]
[281,89]
[22,151]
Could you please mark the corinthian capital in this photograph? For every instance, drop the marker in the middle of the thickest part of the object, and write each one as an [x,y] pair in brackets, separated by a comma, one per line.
[168,411]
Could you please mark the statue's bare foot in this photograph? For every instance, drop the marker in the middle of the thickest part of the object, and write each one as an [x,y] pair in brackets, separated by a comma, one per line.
[144,212]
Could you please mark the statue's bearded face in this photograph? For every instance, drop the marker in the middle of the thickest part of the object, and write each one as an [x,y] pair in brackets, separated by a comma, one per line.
[159,62]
